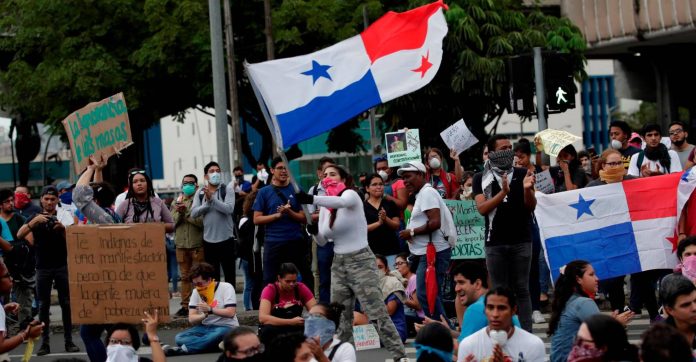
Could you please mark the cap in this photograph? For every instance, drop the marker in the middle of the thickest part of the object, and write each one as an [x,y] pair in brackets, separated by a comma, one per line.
[64,185]
[411,166]
[49,190]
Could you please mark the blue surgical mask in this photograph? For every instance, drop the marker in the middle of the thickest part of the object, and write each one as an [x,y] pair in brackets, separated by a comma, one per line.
[214,178]
[188,189]
[318,326]
[66,198]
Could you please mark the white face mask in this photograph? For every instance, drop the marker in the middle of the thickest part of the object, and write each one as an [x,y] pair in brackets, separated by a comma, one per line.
[616,144]
[383,174]
[434,163]
[262,175]
[214,178]
[498,337]
[120,353]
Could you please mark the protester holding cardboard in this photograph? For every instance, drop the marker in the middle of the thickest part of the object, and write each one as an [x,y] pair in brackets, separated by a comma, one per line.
[141,204]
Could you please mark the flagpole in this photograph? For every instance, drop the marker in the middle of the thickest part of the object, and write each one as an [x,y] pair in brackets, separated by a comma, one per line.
[272,124]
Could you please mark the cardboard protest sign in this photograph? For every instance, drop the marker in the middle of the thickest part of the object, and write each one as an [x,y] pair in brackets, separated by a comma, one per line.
[117,272]
[98,128]
[544,183]
[458,137]
[402,146]
[471,230]
[554,140]
[365,337]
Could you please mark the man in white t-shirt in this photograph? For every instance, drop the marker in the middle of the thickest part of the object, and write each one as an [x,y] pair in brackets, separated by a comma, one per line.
[424,227]
[212,311]
[501,339]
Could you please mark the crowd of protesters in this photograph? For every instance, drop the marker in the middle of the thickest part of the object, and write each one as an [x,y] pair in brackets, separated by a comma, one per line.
[345,253]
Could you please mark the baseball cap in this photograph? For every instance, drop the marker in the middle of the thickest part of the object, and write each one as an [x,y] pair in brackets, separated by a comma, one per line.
[49,190]
[411,166]
[64,185]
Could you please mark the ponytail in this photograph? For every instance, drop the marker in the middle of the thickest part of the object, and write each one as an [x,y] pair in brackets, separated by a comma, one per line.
[566,285]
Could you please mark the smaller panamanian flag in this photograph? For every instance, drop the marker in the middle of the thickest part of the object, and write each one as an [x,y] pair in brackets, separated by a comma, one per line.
[311,94]
[620,228]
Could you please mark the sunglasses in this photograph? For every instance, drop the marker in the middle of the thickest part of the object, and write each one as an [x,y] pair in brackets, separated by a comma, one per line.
[135,172]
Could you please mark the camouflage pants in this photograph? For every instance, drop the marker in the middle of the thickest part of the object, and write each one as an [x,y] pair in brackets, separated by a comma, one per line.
[355,275]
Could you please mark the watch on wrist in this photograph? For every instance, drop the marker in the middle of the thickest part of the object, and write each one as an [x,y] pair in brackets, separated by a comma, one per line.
[412,232]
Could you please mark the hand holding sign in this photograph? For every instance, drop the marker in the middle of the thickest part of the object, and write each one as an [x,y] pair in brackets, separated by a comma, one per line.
[458,137]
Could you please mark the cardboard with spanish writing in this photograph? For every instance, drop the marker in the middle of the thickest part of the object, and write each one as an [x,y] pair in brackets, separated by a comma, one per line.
[365,337]
[544,182]
[402,146]
[554,140]
[98,128]
[471,230]
[458,137]
[117,272]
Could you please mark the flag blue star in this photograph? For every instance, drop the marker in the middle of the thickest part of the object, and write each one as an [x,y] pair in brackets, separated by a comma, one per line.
[583,206]
[318,71]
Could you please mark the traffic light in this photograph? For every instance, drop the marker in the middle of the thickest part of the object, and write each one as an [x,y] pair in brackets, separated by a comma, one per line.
[520,71]
[559,83]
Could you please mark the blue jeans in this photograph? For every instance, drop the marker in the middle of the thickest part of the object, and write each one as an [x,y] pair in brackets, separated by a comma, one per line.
[442,261]
[325,256]
[248,284]
[200,338]
[508,266]
[173,269]
[91,335]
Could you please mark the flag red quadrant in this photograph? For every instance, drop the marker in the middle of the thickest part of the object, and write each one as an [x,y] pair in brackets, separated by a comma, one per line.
[652,198]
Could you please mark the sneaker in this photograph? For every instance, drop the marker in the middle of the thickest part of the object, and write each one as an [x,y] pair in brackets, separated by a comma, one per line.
[183,312]
[537,317]
[44,350]
[71,347]
[174,351]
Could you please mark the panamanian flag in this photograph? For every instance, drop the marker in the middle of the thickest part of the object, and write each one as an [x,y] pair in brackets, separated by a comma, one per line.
[311,94]
[620,228]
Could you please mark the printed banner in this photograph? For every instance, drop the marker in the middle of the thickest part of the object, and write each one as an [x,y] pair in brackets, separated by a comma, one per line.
[471,230]
[117,272]
[402,146]
[98,128]
[458,137]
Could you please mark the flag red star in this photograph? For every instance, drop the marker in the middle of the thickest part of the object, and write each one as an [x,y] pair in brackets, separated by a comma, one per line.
[674,240]
[425,65]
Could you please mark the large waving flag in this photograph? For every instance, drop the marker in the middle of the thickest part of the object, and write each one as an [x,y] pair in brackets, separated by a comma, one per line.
[620,228]
[311,94]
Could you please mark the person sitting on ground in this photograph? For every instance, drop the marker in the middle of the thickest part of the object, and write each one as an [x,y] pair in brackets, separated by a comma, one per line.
[678,296]
[602,338]
[662,342]
[414,312]
[433,344]
[290,347]
[242,344]
[122,341]
[32,331]
[212,311]
[394,295]
[282,304]
[501,339]
[320,330]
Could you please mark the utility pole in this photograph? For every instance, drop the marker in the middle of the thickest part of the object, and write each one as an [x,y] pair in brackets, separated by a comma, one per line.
[540,90]
[374,142]
[270,48]
[218,63]
[232,80]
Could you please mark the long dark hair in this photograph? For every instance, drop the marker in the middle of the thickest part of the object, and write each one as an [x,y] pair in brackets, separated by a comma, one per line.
[135,338]
[130,195]
[608,333]
[566,286]
[347,180]
[573,164]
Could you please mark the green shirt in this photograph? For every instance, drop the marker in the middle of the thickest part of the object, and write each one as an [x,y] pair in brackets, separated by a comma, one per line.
[189,230]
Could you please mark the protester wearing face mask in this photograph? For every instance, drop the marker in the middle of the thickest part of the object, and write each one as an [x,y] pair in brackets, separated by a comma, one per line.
[261,176]
[65,190]
[215,203]
[23,204]
[446,183]
[320,330]
[122,341]
[188,238]
[505,196]
[686,253]
[242,344]
[394,189]
[620,135]
[241,186]
[602,338]
[466,189]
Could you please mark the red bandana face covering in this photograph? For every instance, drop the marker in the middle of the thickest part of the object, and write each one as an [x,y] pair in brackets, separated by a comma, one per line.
[332,187]
[21,200]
